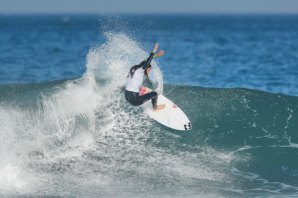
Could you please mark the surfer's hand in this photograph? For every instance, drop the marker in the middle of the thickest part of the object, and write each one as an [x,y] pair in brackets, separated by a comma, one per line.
[160,53]
[155,47]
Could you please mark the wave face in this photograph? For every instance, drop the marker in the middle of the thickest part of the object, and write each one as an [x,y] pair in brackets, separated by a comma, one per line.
[80,137]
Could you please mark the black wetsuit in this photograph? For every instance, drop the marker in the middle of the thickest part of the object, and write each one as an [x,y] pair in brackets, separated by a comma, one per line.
[135,81]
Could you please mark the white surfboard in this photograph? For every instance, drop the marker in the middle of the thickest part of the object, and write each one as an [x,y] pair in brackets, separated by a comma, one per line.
[171,116]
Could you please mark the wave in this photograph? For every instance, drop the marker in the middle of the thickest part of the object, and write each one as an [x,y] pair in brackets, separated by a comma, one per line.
[79,137]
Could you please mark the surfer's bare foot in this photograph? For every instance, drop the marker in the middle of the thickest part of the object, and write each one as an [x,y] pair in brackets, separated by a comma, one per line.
[159,107]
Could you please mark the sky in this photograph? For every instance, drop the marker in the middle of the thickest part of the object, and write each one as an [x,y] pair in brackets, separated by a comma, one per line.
[149,6]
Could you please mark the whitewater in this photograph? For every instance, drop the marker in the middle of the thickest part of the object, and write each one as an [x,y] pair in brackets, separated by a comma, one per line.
[78,137]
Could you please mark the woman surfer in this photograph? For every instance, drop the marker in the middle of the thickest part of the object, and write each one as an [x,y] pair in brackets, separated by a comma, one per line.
[135,82]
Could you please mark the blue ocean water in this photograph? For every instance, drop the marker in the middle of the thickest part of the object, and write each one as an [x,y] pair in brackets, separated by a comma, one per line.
[257,52]
[67,131]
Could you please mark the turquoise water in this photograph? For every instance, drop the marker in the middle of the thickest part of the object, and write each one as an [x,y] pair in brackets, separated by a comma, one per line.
[66,129]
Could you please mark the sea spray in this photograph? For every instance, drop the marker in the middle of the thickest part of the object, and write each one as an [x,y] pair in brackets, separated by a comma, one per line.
[50,132]
[79,137]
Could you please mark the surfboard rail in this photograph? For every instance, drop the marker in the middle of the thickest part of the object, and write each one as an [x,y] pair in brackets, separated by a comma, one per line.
[171,116]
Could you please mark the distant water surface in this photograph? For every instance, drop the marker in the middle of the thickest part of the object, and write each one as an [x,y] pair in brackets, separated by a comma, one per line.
[257,51]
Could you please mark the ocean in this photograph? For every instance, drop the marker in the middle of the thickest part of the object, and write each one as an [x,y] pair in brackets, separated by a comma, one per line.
[67,131]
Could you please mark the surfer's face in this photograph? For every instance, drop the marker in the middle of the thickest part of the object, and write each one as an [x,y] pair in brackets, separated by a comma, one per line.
[148,70]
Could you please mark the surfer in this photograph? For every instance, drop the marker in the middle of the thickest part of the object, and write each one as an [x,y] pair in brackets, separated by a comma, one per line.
[135,82]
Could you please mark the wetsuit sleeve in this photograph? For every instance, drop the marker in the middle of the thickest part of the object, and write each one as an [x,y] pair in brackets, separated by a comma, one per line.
[148,61]
[155,56]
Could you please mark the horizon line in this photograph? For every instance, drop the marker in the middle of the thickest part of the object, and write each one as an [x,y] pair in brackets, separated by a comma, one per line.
[148,13]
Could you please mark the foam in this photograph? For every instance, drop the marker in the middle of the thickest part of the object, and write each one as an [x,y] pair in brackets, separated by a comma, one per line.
[10,178]
[72,118]
[82,138]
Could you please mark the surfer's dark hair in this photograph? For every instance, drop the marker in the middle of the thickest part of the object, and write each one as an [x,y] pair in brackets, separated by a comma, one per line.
[135,67]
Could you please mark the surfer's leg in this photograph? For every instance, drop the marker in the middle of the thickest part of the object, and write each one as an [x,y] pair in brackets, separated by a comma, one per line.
[149,96]
[154,101]
[133,98]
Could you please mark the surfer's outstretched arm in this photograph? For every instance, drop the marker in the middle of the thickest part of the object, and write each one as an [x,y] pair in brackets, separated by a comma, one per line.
[149,59]
[159,54]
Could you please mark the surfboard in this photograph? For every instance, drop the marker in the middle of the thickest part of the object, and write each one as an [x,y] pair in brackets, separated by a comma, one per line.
[171,116]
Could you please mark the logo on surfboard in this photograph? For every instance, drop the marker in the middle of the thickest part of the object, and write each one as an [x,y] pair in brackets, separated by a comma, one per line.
[187,126]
